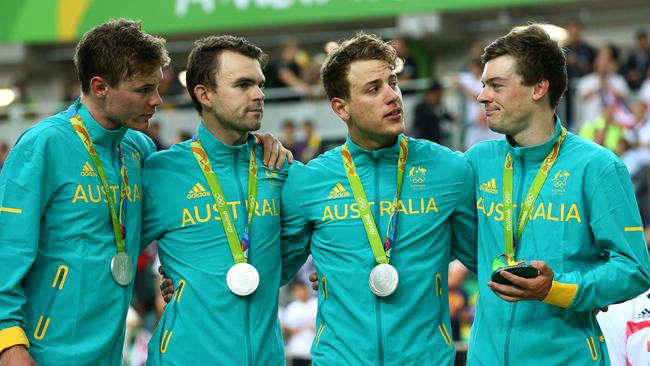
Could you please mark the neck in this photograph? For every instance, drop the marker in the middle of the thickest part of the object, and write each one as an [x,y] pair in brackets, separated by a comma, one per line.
[228,136]
[371,141]
[538,132]
[96,110]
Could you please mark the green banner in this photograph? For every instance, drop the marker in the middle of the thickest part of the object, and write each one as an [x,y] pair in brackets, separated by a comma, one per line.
[47,21]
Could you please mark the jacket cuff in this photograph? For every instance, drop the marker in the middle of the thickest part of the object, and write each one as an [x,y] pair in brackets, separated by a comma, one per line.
[12,336]
[561,294]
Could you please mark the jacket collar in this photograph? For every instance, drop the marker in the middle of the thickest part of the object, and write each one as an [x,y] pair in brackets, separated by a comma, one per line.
[101,137]
[216,148]
[387,152]
[538,152]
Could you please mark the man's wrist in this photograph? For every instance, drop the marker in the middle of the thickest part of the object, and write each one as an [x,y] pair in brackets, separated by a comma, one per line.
[12,349]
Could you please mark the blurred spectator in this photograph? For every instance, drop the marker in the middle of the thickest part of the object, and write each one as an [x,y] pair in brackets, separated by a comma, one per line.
[410,68]
[171,90]
[183,135]
[71,91]
[469,84]
[637,153]
[299,319]
[311,145]
[288,71]
[579,61]
[636,67]
[4,152]
[600,88]
[626,328]
[605,131]
[431,114]
[288,137]
[153,131]
[458,307]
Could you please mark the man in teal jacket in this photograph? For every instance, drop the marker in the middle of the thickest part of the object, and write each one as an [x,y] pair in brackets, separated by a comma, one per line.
[67,259]
[383,297]
[215,211]
[556,200]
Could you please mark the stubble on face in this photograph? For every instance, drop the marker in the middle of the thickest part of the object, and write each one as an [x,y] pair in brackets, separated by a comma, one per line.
[237,100]
[375,104]
[132,103]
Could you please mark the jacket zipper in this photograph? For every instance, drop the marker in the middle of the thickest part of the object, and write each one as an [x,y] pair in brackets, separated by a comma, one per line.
[247,311]
[380,343]
[513,313]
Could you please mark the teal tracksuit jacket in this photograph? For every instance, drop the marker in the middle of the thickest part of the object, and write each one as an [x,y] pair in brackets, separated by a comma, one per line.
[436,221]
[57,241]
[585,225]
[205,323]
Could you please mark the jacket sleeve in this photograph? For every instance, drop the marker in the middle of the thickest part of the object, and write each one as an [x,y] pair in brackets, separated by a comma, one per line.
[464,222]
[296,230]
[23,198]
[151,227]
[623,269]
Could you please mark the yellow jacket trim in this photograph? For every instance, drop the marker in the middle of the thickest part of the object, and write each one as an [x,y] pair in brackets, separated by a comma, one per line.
[12,336]
[561,294]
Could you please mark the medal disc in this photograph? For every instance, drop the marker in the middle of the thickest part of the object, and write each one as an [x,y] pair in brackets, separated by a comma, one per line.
[383,280]
[242,279]
[524,270]
[122,269]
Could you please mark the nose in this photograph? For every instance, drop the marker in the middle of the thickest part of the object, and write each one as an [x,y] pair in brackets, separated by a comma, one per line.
[483,96]
[156,99]
[393,94]
[258,94]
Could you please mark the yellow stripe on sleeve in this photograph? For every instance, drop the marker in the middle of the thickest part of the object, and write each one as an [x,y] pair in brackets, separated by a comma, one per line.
[561,294]
[633,228]
[12,336]
[11,210]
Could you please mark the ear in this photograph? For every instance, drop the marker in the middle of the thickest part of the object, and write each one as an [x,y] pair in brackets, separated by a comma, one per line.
[202,94]
[340,107]
[540,89]
[98,87]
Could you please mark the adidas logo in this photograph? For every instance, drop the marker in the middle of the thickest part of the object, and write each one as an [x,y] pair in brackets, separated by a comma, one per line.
[88,171]
[489,187]
[338,192]
[197,192]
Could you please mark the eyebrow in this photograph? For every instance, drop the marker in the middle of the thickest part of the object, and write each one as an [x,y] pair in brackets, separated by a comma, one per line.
[493,80]
[249,81]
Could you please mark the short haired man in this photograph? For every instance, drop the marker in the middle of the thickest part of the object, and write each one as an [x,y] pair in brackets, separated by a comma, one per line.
[67,259]
[383,303]
[215,210]
[554,198]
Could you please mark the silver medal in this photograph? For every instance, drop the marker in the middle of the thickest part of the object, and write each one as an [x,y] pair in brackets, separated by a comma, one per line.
[122,269]
[383,280]
[242,279]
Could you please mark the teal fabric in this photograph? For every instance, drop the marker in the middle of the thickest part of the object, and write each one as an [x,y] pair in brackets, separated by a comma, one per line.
[65,228]
[436,221]
[209,325]
[577,227]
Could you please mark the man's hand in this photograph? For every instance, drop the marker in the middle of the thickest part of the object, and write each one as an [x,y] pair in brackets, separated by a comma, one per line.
[16,356]
[525,288]
[313,278]
[166,286]
[274,152]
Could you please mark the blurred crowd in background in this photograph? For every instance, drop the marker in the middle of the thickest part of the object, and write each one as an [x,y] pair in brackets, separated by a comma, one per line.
[607,101]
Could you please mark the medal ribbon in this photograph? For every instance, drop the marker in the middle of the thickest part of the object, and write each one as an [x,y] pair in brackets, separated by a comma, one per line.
[118,218]
[381,252]
[529,201]
[238,249]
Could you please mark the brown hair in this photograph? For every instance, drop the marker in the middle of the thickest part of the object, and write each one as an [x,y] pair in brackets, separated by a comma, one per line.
[362,47]
[204,59]
[118,50]
[537,56]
